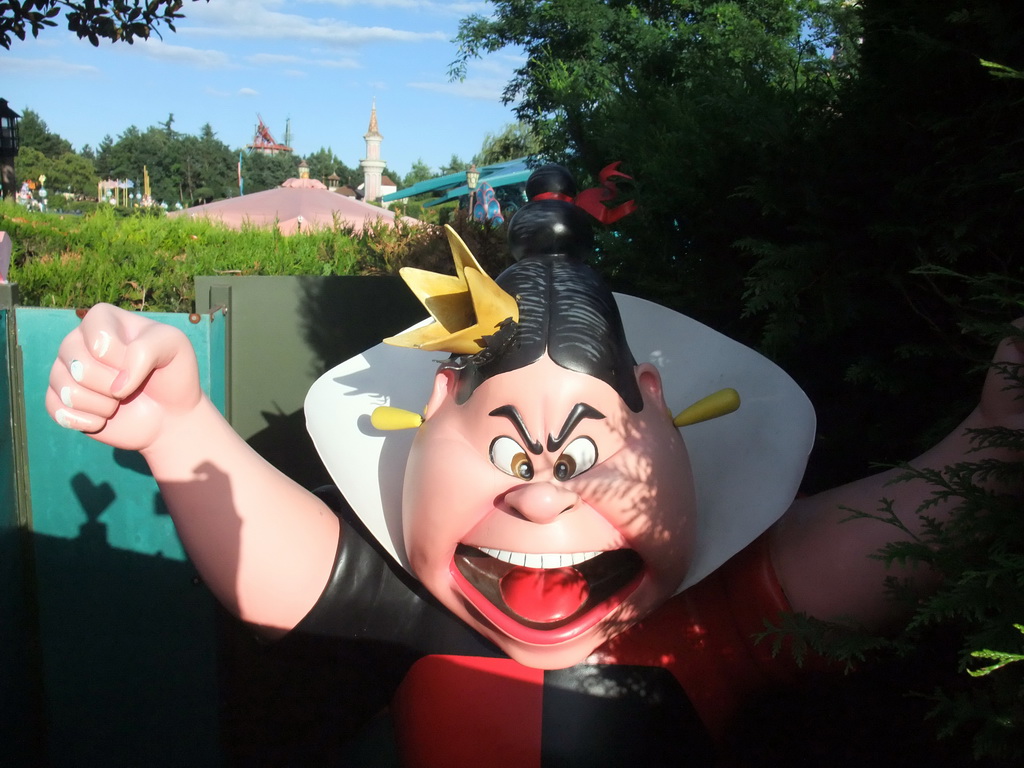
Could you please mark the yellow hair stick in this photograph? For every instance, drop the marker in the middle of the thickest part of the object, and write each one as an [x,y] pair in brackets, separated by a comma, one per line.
[711,407]
[387,419]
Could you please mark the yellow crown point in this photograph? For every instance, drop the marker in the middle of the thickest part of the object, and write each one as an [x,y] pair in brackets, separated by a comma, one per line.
[465,308]
[711,407]
[388,419]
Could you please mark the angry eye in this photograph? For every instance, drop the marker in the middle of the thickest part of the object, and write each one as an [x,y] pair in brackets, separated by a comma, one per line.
[579,456]
[508,456]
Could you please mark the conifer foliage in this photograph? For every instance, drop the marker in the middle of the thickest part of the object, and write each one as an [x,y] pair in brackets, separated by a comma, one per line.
[838,184]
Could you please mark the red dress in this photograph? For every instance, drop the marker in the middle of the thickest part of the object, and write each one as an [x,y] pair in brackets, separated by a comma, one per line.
[659,694]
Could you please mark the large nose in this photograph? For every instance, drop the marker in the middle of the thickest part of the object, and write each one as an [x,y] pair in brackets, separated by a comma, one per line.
[541,502]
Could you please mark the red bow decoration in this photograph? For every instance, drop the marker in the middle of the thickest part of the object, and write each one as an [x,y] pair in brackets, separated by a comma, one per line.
[592,200]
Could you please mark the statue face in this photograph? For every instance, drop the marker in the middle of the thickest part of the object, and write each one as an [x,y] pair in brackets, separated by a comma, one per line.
[546,514]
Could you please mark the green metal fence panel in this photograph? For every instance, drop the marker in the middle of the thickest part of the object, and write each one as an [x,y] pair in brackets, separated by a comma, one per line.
[20,689]
[285,331]
[85,479]
[128,640]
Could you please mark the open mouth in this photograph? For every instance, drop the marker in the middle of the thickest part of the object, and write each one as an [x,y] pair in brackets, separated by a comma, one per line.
[550,591]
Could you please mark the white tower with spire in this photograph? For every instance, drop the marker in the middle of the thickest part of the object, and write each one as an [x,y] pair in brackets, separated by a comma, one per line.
[372,165]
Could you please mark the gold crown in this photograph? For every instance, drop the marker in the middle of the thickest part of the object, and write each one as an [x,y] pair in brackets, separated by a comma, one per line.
[466,308]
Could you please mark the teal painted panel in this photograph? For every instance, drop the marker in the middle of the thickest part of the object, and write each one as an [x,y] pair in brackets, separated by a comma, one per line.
[128,646]
[83,482]
[127,631]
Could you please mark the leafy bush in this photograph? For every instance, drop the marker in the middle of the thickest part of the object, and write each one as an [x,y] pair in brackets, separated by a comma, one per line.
[140,261]
[73,207]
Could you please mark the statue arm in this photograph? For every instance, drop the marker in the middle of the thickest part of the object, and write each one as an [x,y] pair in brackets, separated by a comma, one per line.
[263,545]
[823,563]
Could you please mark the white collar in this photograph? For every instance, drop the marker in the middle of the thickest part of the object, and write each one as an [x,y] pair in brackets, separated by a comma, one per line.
[747,466]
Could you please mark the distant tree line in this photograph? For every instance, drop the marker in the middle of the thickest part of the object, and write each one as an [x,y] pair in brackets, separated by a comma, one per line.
[182,168]
[190,170]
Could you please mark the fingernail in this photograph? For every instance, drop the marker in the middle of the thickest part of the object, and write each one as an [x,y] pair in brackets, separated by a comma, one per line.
[77,370]
[101,345]
[65,419]
[65,396]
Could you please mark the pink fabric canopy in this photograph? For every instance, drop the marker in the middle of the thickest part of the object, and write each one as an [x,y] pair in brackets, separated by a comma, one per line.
[297,205]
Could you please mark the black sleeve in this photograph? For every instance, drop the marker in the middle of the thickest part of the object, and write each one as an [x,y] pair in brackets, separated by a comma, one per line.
[370,597]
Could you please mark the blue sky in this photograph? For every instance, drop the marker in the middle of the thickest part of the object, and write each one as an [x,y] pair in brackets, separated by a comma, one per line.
[319,64]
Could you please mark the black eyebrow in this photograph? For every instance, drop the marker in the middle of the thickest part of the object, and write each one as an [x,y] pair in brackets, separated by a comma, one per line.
[579,412]
[512,413]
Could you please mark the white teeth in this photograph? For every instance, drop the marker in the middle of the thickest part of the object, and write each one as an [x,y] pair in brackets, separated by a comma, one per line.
[539,561]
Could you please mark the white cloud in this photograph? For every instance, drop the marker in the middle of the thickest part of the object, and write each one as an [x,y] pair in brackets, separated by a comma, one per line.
[500,64]
[179,54]
[275,59]
[271,59]
[479,89]
[53,67]
[486,81]
[248,92]
[426,6]
[255,19]
[338,63]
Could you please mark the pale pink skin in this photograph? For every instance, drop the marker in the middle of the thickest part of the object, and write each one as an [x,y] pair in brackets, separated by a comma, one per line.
[638,495]
[266,546]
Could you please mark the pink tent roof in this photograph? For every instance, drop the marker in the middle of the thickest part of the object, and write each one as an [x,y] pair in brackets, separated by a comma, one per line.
[301,183]
[309,199]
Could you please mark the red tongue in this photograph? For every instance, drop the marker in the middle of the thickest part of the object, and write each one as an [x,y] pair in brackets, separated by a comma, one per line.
[544,594]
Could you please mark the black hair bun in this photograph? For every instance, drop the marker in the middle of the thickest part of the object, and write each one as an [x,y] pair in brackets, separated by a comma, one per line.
[551,179]
[551,226]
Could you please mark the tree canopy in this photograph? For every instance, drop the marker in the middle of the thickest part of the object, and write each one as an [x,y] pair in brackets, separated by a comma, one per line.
[94,20]
[323,163]
[44,153]
[33,133]
[264,171]
[420,171]
[512,142]
[694,97]
[67,172]
[783,153]
[182,168]
[838,184]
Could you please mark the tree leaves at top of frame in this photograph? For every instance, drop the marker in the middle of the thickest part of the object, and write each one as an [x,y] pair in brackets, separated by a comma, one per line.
[93,20]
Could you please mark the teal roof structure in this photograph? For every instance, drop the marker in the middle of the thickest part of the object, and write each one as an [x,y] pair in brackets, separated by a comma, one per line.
[453,185]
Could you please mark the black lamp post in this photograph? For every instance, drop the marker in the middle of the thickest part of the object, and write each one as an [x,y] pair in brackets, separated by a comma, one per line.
[8,147]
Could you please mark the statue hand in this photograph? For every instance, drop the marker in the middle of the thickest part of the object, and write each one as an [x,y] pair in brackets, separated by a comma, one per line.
[1002,398]
[123,379]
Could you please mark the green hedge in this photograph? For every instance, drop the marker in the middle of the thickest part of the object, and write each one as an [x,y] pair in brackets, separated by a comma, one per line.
[149,262]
